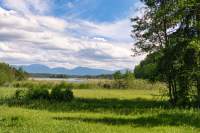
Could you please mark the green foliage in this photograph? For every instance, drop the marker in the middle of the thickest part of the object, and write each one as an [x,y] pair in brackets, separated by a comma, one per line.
[171,28]
[117,75]
[85,86]
[58,92]
[129,83]
[123,80]
[119,80]
[97,111]
[37,93]
[20,94]
[9,74]
[148,68]
[61,93]
[6,73]
[34,84]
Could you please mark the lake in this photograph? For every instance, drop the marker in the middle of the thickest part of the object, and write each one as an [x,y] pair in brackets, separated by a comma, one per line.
[72,80]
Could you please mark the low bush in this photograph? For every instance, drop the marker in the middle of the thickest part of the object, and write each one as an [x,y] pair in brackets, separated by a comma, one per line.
[62,93]
[20,94]
[37,93]
[107,85]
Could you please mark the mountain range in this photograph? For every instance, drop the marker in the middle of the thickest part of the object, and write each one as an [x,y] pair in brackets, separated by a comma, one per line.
[78,71]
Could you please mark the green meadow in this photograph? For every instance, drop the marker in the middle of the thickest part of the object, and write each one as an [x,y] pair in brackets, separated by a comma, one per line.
[97,111]
[73,67]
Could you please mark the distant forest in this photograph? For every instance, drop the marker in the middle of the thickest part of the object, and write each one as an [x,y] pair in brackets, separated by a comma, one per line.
[43,75]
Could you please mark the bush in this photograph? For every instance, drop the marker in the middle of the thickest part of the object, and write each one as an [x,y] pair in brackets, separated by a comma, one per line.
[61,93]
[20,94]
[107,85]
[37,93]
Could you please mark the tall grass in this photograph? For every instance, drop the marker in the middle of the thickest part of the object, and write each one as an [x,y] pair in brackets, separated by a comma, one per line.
[90,84]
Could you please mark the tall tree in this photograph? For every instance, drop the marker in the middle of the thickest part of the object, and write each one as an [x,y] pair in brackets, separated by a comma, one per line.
[172,28]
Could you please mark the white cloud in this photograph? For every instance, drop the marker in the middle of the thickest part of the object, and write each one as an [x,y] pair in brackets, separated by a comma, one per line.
[118,31]
[28,6]
[29,38]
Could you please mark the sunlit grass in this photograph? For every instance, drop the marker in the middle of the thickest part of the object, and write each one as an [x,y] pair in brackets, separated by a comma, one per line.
[115,93]
[97,111]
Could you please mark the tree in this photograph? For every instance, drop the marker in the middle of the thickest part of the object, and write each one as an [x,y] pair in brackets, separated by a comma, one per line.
[172,28]
[128,78]
[118,77]
[123,80]
[147,69]
[9,74]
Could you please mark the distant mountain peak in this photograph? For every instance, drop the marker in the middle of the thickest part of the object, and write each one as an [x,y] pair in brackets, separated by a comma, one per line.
[78,71]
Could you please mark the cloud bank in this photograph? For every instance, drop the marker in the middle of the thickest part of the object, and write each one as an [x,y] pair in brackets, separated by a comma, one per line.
[28,36]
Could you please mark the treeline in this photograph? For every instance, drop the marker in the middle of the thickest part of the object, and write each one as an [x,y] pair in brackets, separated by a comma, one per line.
[102,76]
[43,75]
[169,32]
[147,69]
[9,74]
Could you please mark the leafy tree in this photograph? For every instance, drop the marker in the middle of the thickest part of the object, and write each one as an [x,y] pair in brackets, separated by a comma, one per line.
[118,77]
[123,80]
[171,28]
[9,74]
[147,69]
[128,78]
[6,73]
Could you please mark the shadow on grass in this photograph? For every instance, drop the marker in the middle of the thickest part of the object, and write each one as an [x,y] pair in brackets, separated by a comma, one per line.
[92,105]
[163,119]
[13,121]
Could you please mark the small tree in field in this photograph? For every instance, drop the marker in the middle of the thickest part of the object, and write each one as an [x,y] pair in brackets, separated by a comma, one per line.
[118,77]
[123,80]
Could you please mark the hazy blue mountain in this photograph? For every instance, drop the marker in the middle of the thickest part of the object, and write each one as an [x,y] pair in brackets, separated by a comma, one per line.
[36,68]
[89,71]
[81,71]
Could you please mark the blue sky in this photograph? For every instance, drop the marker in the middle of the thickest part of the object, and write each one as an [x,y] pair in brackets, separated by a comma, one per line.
[68,33]
[94,10]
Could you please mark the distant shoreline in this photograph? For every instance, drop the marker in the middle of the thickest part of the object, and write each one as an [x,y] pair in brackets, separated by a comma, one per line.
[72,80]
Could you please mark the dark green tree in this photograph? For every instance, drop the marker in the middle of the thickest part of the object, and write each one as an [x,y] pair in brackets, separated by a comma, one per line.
[171,28]
[9,74]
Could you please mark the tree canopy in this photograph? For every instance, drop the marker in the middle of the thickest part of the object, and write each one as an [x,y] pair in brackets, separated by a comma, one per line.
[9,74]
[172,29]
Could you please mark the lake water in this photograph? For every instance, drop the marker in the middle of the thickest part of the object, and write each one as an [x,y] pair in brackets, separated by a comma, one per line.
[72,80]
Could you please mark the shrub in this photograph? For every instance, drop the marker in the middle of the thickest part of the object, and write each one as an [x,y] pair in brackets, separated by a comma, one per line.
[107,85]
[38,93]
[20,94]
[61,93]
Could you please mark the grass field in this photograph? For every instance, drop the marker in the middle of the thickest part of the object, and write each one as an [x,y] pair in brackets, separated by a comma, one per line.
[97,111]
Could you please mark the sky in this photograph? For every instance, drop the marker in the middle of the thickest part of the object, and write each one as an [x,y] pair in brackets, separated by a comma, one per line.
[68,33]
